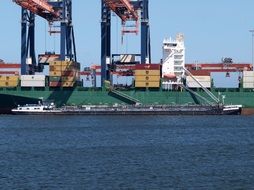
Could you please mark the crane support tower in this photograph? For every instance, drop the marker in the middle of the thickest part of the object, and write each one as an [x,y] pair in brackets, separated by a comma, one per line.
[127,10]
[53,11]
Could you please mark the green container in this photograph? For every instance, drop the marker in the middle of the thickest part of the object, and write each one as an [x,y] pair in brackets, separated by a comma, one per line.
[54,79]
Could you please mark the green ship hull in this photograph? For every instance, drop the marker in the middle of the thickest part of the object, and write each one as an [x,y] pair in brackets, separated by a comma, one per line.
[10,98]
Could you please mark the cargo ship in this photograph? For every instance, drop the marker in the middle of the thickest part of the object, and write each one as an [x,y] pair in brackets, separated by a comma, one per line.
[165,83]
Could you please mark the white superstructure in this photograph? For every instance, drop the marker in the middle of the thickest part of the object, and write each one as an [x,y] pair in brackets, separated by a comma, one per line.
[173,61]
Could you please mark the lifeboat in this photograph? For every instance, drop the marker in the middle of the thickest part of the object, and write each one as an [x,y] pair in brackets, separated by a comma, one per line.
[169,76]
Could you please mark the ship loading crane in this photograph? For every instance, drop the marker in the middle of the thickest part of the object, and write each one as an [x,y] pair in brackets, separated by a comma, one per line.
[128,11]
[53,11]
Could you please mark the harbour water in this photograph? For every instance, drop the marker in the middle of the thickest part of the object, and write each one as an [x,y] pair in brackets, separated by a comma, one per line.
[126,152]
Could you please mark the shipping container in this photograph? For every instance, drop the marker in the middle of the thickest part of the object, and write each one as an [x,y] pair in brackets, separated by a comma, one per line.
[206,84]
[148,67]
[55,84]
[68,79]
[9,78]
[69,68]
[55,73]
[248,79]
[248,74]
[147,84]
[9,66]
[8,83]
[10,69]
[33,77]
[59,63]
[248,85]
[199,78]
[9,73]
[147,78]
[68,84]
[55,68]
[68,73]
[68,63]
[54,79]
[32,83]
[147,72]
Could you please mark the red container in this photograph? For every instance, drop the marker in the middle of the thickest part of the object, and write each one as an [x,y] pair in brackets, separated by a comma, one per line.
[68,73]
[10,65]
[55,84]
[148,67]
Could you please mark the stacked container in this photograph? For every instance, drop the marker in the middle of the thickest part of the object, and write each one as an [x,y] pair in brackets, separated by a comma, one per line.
[9,81]
[7,69]
[63,73]
[204,80]
[147,76]
[33,80]
[248,79]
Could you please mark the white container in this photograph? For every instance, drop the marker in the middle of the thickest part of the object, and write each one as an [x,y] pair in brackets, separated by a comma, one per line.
[98,81]
[199,78]
[248,74]
[33,77]
[248,85]
[87,80]
[248,79]
[205,84]
[35,83]
[10,69]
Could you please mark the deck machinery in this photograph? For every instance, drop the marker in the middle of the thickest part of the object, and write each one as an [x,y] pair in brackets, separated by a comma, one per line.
[53,11]
[127,11]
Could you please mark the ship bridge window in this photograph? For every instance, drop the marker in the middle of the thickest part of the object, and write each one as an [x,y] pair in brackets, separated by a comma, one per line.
[178,63]
[172,45]
[178,56]
[178,68]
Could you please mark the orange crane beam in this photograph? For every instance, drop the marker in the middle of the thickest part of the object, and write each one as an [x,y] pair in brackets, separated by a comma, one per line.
[123,9]
[39,7]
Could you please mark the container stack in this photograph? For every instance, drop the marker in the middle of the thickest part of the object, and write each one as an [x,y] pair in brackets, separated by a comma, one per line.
[9,69]
[63,73]
[204,80]
[9,81]
[33,80]
[248,79]
[147,76]
[9,74]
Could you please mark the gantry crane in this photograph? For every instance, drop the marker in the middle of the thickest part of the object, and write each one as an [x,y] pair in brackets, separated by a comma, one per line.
[127,10]
[52,11]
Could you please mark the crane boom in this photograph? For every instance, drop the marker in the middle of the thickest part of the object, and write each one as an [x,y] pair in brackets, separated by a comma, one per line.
[123,9]
[39,7]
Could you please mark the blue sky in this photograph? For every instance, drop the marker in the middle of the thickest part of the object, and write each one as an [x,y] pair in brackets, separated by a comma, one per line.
[212,29]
